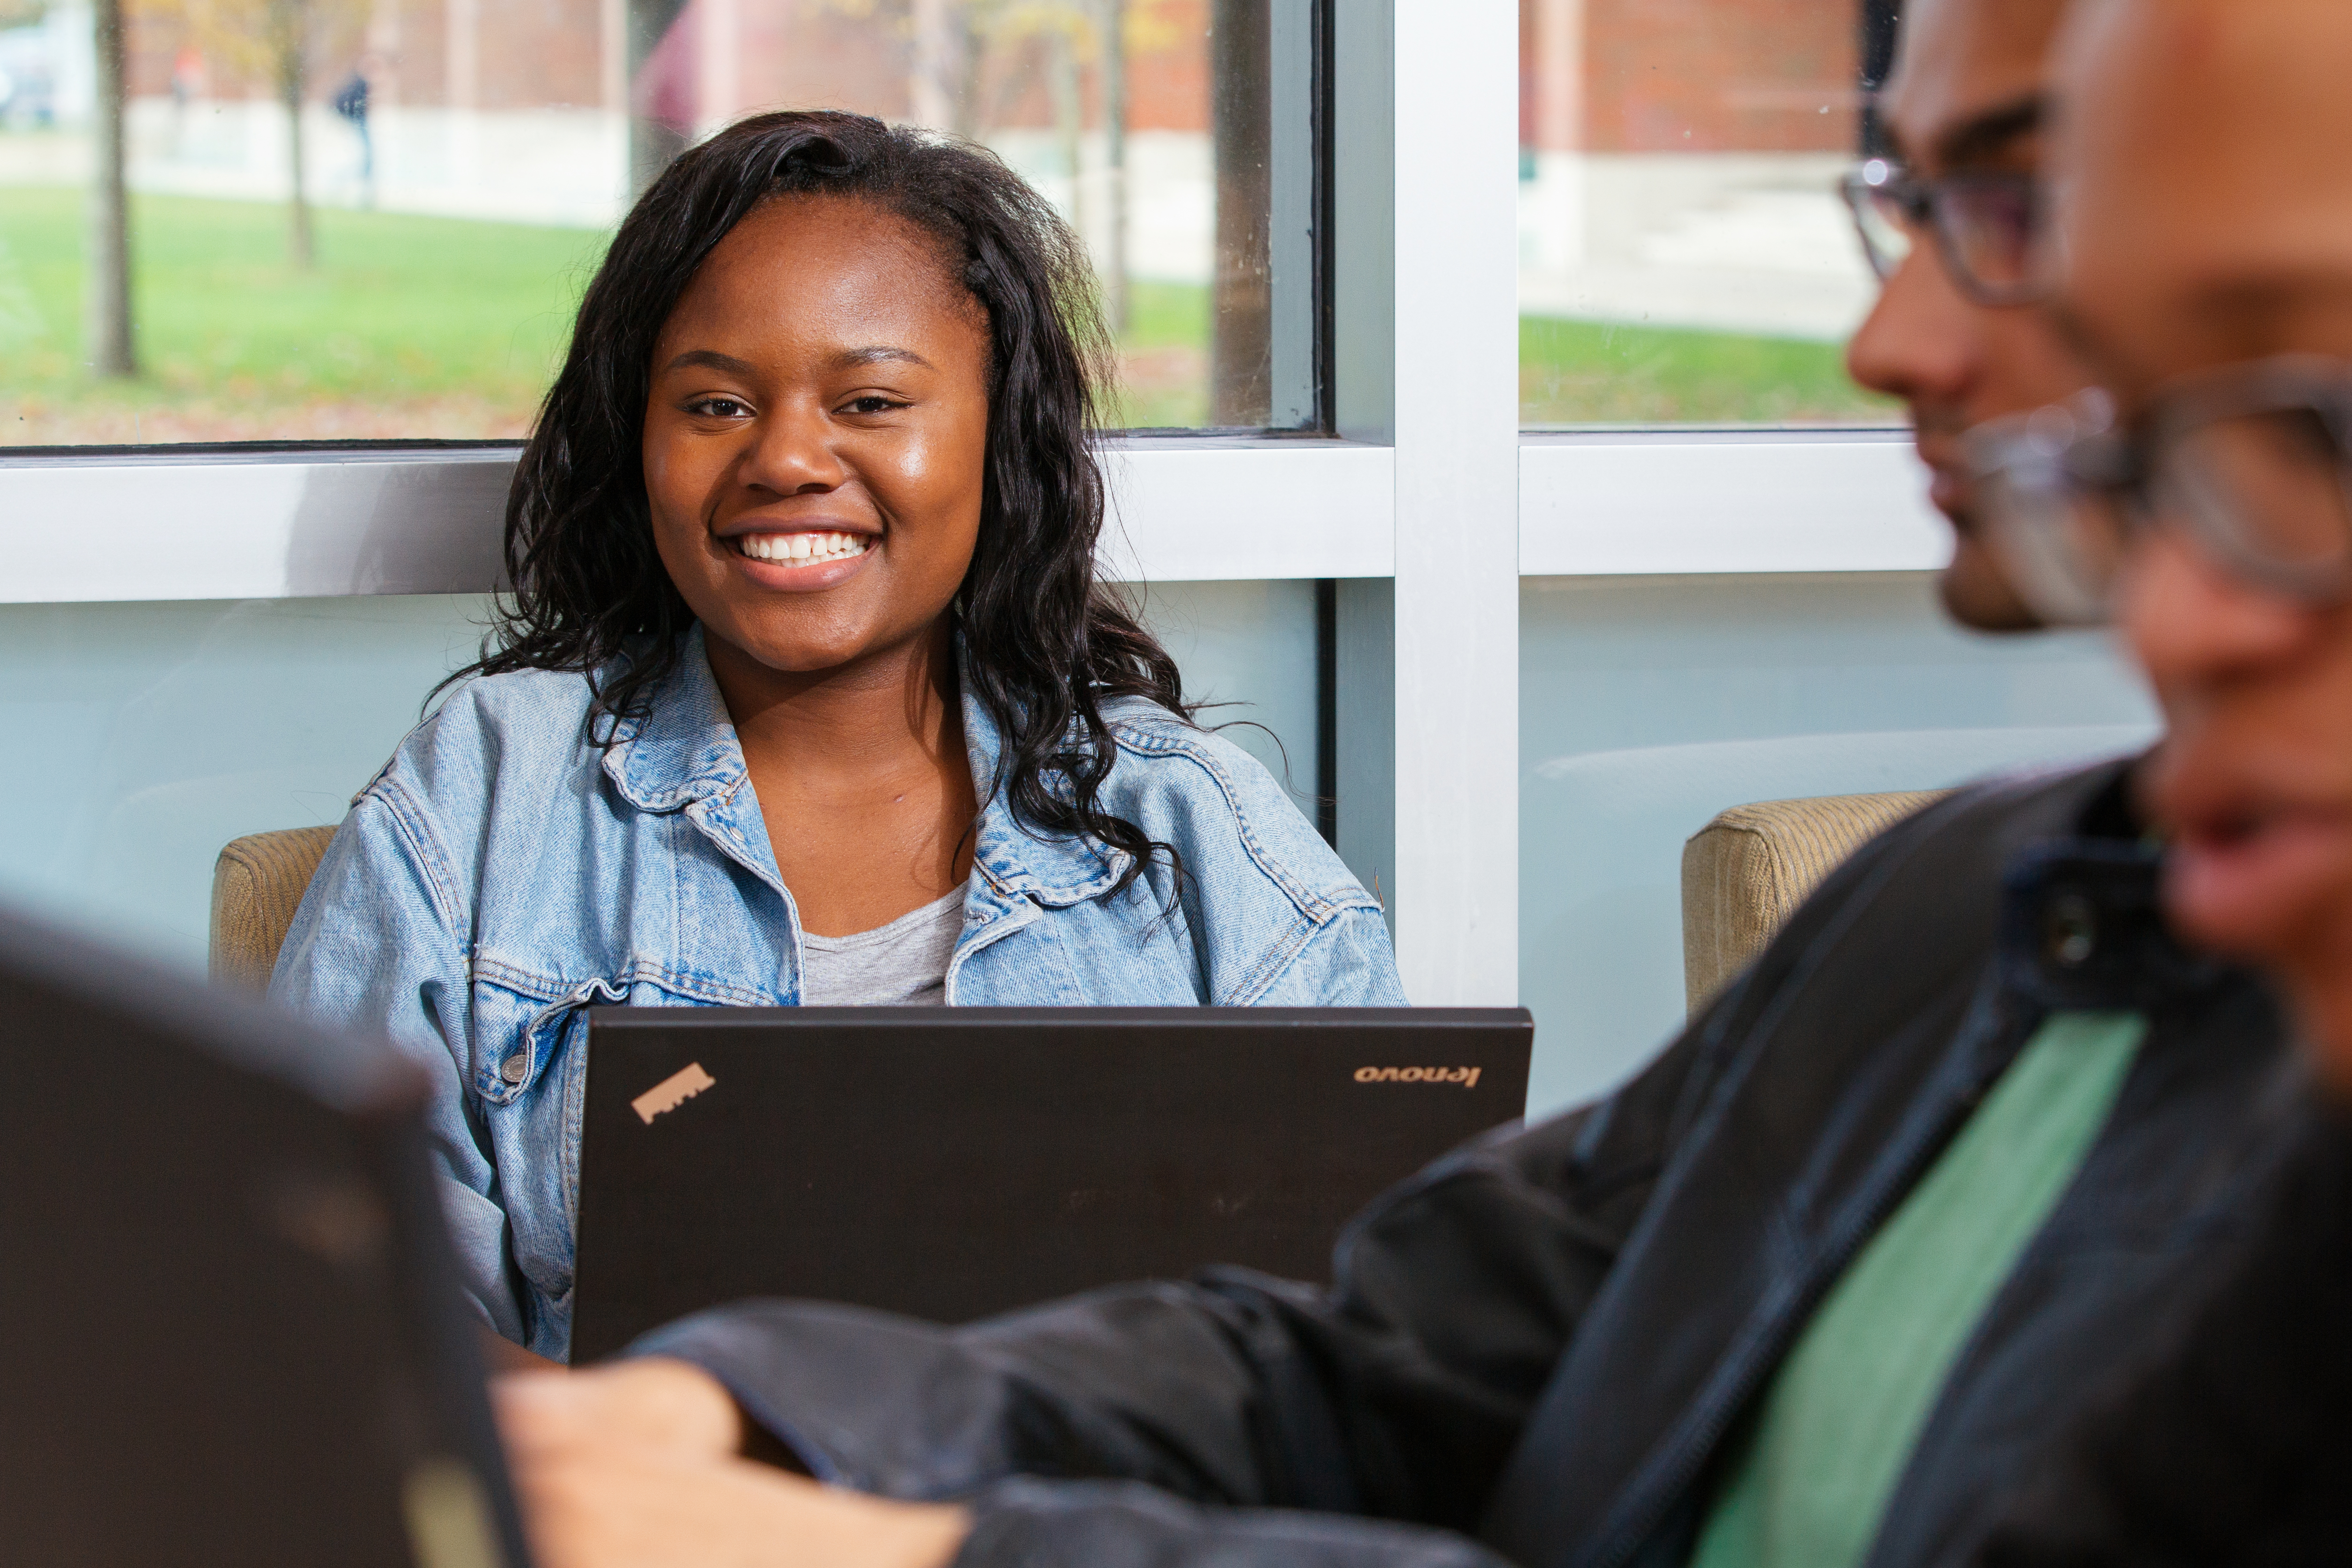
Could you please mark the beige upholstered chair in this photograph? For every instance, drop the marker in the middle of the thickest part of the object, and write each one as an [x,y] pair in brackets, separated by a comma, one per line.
[1748,870]
[258,884]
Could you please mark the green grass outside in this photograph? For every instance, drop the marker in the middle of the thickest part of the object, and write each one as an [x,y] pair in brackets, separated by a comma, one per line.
[449,324]
[407,326]
[447,327]
[1164,355]
[1594,372]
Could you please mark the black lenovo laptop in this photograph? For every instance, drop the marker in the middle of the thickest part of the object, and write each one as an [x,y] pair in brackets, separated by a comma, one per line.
[230,1326]
[953,1163]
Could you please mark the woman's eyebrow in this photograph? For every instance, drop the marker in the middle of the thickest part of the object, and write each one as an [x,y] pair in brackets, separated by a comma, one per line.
[711,359]
[879,353]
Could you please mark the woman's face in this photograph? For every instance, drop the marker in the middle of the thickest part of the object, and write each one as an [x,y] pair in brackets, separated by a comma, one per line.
[815,435]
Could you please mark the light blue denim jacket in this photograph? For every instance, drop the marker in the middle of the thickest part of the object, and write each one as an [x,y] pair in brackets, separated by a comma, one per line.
[501,874]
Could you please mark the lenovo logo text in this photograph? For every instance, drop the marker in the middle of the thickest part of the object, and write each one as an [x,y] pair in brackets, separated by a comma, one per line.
[1467,1076]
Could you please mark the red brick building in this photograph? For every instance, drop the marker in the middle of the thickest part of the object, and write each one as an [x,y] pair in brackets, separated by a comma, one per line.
[1600,76]
[1688,76]
[725,57]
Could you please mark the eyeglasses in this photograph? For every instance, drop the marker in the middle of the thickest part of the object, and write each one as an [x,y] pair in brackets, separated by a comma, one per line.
[2254,463]
[1985,227]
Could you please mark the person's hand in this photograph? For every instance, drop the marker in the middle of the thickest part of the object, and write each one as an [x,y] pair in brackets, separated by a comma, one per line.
[501,1353]
[588,1504]
[655,1404]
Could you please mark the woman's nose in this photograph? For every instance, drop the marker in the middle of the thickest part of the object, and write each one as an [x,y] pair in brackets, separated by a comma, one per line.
[793,452]
[2196,625]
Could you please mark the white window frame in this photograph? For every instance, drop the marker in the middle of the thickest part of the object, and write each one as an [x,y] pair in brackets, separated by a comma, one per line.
[1428,506]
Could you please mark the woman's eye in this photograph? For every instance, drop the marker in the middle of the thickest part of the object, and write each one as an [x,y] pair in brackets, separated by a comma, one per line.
[718,407]
[872,403]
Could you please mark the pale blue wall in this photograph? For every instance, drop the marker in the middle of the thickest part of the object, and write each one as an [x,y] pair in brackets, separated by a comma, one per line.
[143,737]
[147,735]
[1648,704]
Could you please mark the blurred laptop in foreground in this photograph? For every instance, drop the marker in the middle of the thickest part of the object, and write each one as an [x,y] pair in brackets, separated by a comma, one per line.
[230,1327]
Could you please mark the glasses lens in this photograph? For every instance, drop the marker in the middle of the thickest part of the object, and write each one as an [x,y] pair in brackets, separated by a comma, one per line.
[1990,224]
[2266,491]
[2061,552]
[2060,542]
[1885,236]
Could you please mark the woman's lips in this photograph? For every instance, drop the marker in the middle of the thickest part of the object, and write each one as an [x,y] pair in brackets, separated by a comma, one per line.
[803,549]
[804,560]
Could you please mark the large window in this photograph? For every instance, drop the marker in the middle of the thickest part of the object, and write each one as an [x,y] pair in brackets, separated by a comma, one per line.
[1682,257]
[372,218]
[1526,665]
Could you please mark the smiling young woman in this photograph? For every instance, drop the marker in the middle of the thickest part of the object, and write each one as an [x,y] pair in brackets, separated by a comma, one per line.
[805,692]
[814,442]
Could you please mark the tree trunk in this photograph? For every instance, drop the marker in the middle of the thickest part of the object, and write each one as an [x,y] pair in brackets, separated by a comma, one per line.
[654,144]
[1113,27]
[107,330]
[929,100]
[290,34]
[1069,116]
[971,118]
[1241,306]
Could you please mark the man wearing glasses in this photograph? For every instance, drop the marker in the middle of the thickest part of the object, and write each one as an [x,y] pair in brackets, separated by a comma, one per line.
[1814,1290]
[1947,338]
[2205,501]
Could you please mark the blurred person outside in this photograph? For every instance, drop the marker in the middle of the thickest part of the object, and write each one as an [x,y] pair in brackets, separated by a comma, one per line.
[190,80]
[350,102]
[1814,1288]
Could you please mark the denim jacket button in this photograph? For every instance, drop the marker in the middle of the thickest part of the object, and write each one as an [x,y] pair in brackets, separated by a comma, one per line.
[516,1068]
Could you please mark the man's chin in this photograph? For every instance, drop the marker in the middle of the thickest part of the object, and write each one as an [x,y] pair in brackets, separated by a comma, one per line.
[1975,595]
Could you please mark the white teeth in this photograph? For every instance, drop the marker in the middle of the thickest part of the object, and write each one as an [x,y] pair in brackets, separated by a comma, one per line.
[800,549]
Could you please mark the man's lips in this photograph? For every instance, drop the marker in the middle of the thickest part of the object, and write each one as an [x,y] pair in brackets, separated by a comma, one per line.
[1949,483]
[1947,491]
[2237,872]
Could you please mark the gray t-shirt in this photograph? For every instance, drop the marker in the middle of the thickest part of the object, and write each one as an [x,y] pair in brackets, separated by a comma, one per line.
[902,964]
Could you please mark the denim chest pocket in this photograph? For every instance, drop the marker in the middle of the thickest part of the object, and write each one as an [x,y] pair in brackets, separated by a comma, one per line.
[525,1023]
[530,1075]
[519,1031]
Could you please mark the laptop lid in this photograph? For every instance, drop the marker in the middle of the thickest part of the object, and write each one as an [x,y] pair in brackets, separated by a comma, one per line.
[233,1331]
[953,1163]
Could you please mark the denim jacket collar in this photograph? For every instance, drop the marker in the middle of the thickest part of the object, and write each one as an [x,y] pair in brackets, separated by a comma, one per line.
[684,749]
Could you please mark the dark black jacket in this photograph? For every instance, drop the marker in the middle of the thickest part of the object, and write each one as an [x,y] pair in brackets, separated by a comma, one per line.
[1542,1342]
[2230,1442]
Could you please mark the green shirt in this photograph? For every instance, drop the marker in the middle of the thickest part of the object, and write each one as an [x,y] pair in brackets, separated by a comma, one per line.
[1838,1423]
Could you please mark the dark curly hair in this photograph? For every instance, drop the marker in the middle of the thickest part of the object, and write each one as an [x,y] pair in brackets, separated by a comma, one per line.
[1045,644]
